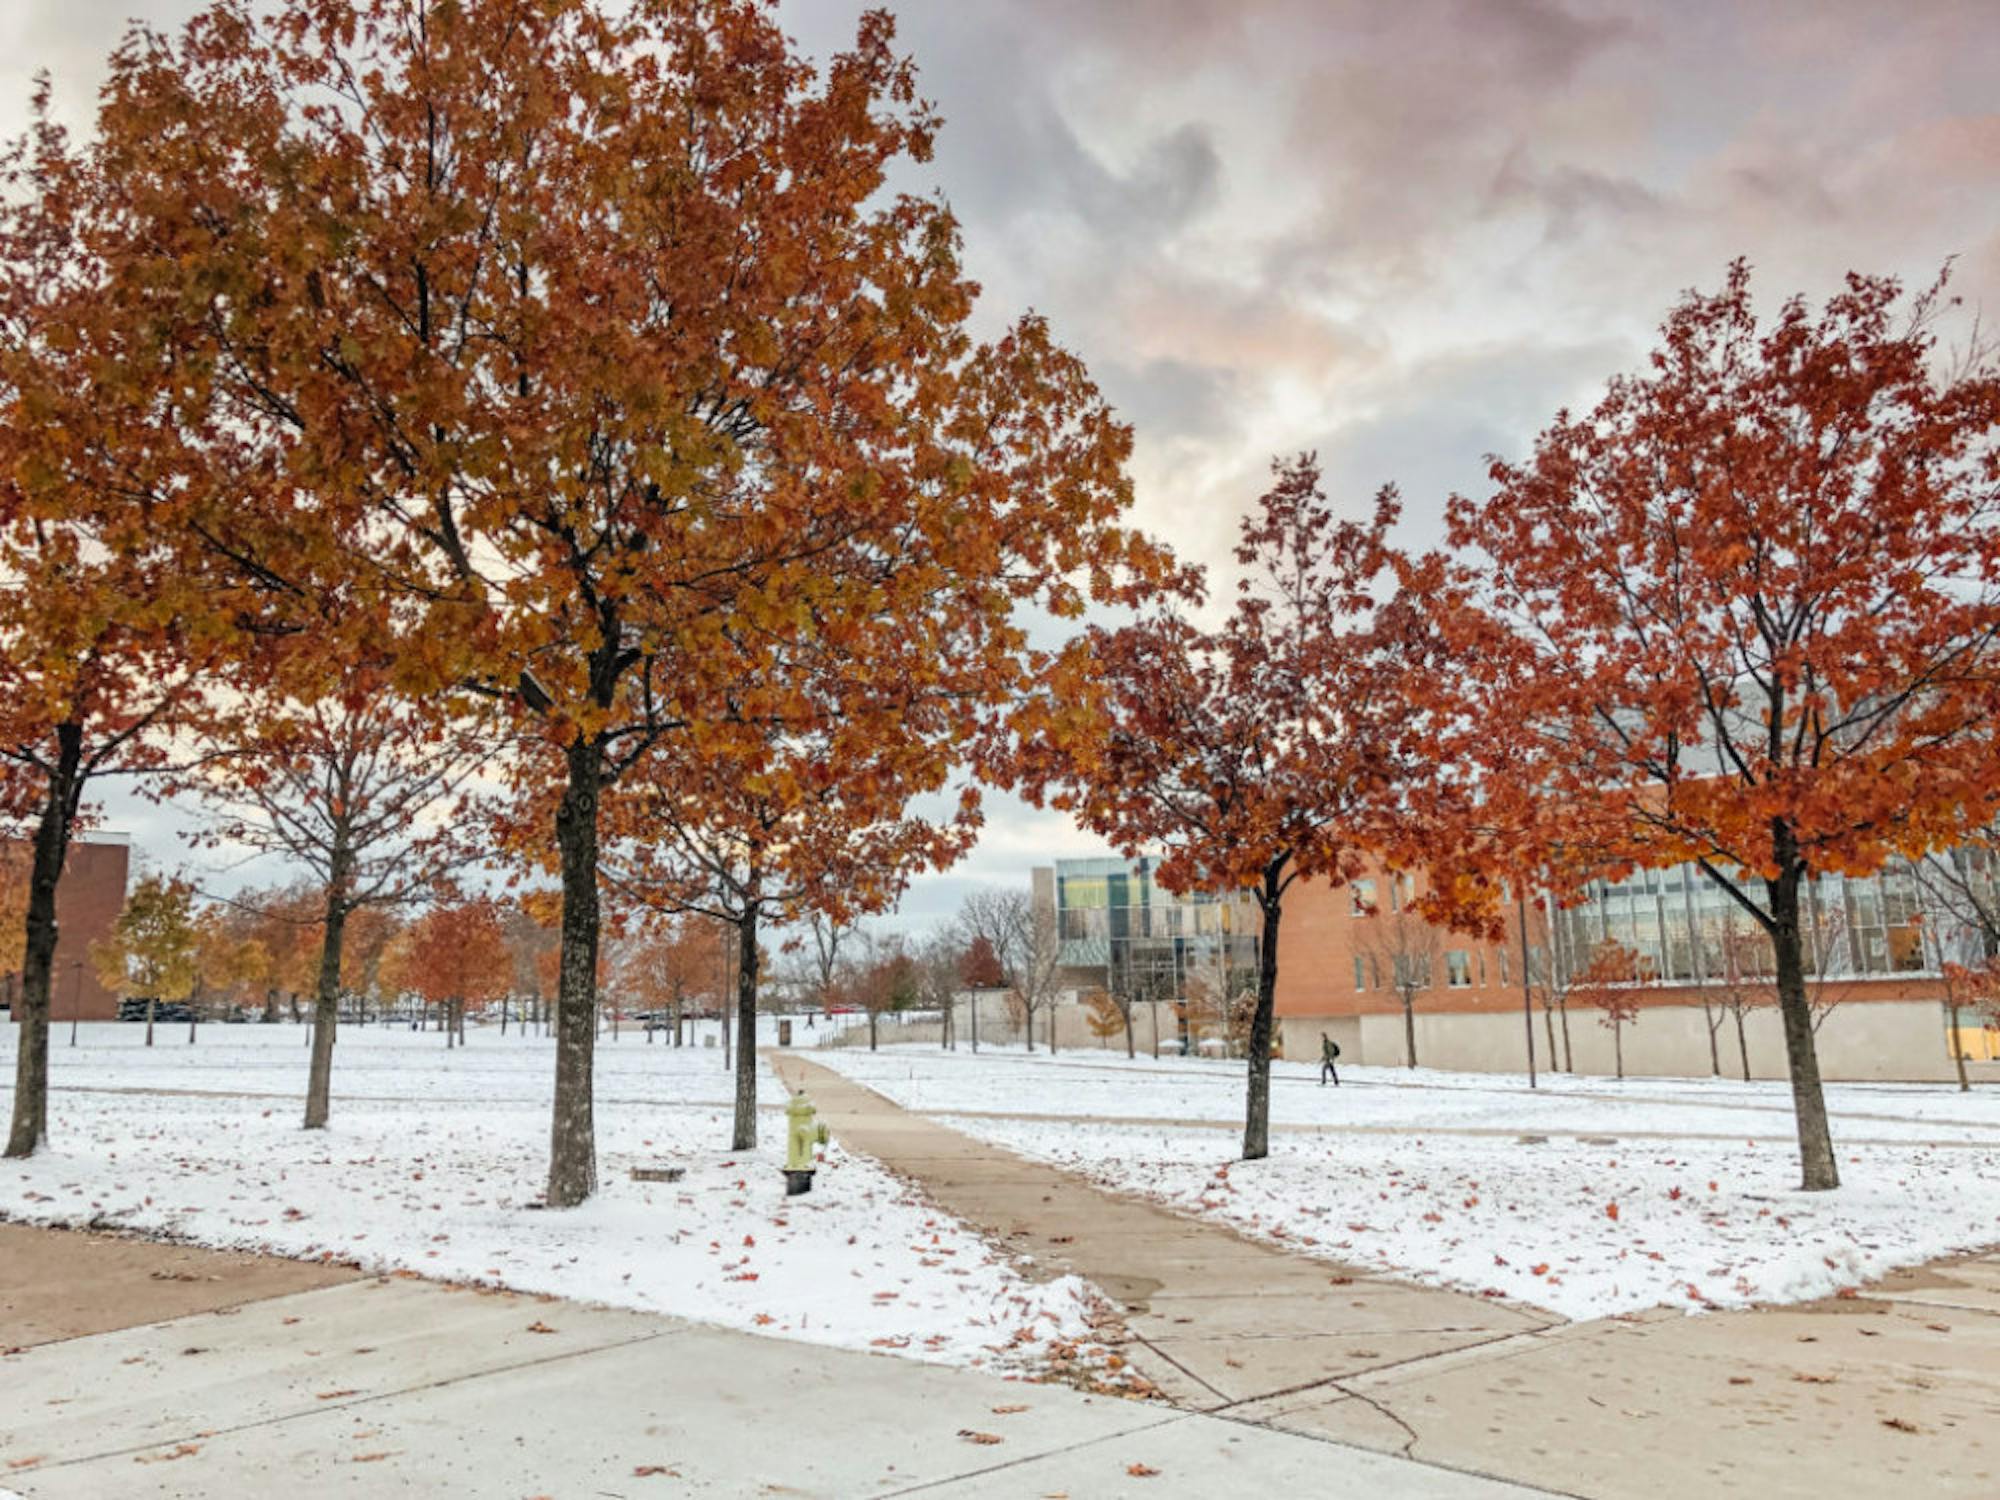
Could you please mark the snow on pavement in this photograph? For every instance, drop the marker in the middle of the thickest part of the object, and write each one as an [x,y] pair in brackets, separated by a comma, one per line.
[437,1170]
[1579,1227]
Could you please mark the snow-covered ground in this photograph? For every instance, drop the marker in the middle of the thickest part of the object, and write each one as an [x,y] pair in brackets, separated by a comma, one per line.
[435,1158]
[1106,1085]
[1655,1191]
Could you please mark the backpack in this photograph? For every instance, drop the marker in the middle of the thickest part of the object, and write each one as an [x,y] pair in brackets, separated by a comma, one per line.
[1332,1048]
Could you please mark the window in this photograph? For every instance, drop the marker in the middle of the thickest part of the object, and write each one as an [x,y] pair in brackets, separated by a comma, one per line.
[1358,973]
[1458,969]
[1504,979]
[1362,894]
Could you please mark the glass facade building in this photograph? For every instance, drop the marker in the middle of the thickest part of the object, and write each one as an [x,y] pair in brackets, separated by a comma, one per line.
[1686,929]
[1116,921]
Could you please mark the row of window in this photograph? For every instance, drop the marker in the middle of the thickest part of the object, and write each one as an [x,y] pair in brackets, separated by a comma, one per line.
[1463,968]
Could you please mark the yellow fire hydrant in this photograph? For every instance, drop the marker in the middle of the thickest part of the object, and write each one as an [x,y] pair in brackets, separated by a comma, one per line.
[803,1131]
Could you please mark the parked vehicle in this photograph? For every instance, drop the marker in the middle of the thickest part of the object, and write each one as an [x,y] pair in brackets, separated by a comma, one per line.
[134,1009]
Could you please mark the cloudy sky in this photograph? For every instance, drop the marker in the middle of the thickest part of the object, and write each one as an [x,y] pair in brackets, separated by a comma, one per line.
[1400,234]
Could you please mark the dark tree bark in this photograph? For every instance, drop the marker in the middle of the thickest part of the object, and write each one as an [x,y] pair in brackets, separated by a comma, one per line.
[30,1125]
[1257,1101]
[1409,1029]
[744,1137]
[152,1004]
[572,1128]
[1958,1051]
[1817,1170]
[326,997]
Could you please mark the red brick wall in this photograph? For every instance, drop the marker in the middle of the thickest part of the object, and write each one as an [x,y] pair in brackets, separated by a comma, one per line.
[88,901]
[1319,937]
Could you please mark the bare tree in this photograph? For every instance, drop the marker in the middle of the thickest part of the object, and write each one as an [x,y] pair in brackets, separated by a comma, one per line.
[939,959]
[1739,969]
[1404,945]
[1549,976]
[1023,936]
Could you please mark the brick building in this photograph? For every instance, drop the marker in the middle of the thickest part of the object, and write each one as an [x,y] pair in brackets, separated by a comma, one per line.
[1873,972]
[88,902]
[1347,954]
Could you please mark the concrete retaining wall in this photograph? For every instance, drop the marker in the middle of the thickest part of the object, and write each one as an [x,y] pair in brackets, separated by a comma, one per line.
[1894,1040]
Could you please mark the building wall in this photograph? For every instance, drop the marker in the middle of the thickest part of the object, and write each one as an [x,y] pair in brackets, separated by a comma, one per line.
[1891,1040]
[88,901]
[1883,1027]
[1320,937]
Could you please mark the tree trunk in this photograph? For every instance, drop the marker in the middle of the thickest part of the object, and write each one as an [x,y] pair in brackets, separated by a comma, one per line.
[1714,1051]
[503,1019]
[572,1126]
[1618,1048]
[1742,1041]
[1257,1100]
[972,1004]
[874,1016]
[30,1126]
[1549,1025]
[744,1137]
[1818,1172]
[1569,1057]
[152,1001]
[326,996]
[1958,1051]
[1131,1047]
[1409,1030]
[1052,1026]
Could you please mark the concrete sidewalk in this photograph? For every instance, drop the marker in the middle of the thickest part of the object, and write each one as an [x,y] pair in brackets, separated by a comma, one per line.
[398,1386]
[1893,1393]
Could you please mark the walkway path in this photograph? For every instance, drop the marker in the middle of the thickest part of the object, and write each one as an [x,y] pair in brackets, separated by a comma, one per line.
[1897,1392]
[393,1386]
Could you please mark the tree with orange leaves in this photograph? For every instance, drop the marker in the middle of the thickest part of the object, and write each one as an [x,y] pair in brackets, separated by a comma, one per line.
[806,810]
[370,794]
[1272,749]
[453,956]
[670,963]
[105,633]
[1609,980]
[614,371]
[1748,614]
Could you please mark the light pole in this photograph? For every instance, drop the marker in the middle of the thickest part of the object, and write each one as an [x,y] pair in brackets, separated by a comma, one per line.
[75,1000]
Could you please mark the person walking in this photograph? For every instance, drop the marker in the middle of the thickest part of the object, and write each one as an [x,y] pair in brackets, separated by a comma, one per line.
[1329,1050]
